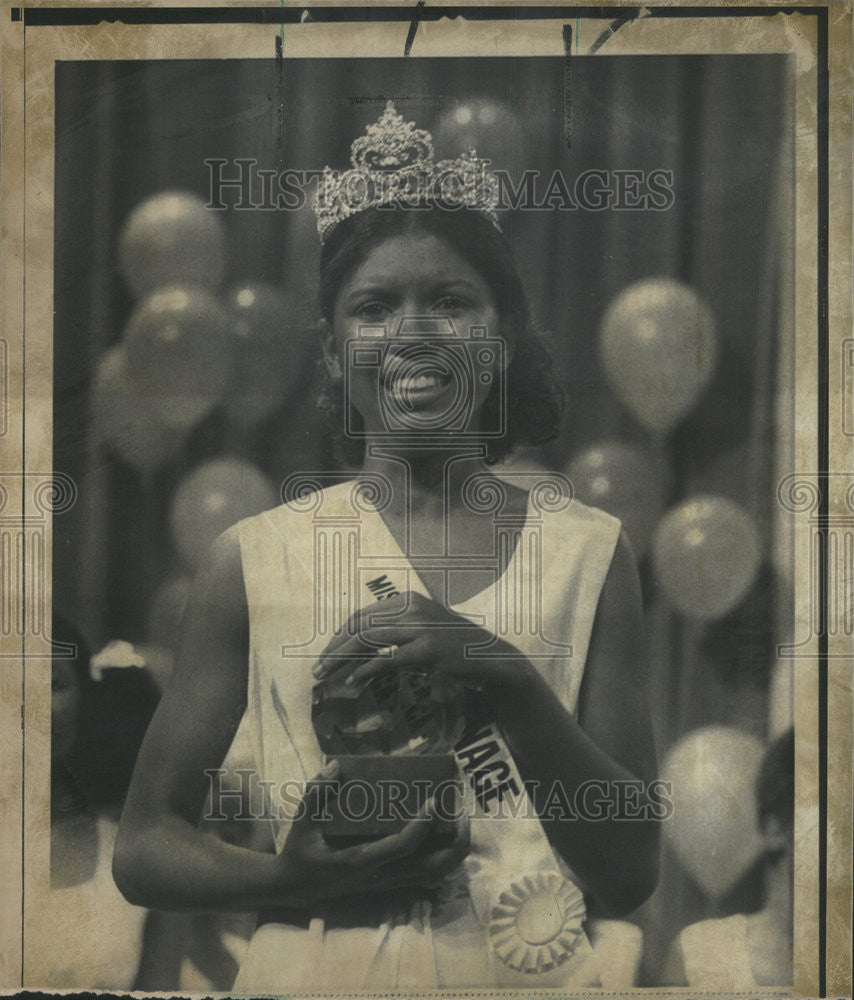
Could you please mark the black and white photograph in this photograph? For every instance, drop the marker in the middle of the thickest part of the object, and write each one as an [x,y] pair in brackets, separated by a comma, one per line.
[425,603]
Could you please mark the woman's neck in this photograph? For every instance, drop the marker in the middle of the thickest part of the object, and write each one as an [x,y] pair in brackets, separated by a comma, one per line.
[427,478]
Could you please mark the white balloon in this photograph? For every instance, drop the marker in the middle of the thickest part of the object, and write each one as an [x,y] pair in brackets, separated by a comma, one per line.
[125,420]
[706,554]
[714,827]
[171,238]
[179,345]
[658,348]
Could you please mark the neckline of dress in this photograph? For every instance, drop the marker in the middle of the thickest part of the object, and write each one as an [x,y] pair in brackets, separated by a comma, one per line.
[514,555]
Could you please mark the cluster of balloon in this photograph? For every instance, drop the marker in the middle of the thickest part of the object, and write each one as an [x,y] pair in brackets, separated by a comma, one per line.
[625,481]
[172,239]
[706,554]
[658,347]
[210,499]
[713,827]
[270,330]
[173,362]
[124,419]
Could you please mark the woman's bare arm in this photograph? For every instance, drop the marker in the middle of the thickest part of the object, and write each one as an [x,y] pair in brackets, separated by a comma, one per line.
[164,860]
[602,757]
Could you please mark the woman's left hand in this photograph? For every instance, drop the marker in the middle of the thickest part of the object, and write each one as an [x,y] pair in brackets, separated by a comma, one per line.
[412,632]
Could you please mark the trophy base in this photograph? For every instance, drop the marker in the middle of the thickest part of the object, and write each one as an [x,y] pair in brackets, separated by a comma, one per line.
[379,794]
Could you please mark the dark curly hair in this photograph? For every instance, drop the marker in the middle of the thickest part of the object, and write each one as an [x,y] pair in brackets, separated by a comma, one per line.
[535,399]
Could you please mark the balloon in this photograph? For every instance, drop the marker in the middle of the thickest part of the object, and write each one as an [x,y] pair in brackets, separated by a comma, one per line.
[658,348]
[171,239]
[213,497]
[622,480]
[166,611]
[179,350]
[271,334]
[124,420]
[714,828]
[706,555]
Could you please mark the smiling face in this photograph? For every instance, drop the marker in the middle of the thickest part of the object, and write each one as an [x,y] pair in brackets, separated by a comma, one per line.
[402,322]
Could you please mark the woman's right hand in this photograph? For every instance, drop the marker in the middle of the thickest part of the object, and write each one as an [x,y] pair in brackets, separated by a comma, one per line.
[313,872]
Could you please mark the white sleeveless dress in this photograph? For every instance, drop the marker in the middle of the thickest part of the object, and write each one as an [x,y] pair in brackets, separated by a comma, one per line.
[308,565]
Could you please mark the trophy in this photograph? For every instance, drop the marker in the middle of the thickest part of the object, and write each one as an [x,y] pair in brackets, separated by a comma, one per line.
[393,736]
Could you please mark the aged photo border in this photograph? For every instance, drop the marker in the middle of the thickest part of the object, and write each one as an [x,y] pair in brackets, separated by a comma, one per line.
[822,493]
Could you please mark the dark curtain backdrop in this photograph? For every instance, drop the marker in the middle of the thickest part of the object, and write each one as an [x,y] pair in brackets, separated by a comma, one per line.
[127,130]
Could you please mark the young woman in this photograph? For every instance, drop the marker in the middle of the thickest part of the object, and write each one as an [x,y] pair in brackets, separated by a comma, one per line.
[532,607]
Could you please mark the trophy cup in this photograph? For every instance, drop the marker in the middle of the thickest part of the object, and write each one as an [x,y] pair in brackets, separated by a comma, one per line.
[393,737]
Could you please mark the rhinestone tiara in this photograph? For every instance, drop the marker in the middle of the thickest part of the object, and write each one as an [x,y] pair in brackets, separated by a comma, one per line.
[393,164]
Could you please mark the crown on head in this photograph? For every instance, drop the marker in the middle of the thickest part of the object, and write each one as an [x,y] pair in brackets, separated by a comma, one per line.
[393,164]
